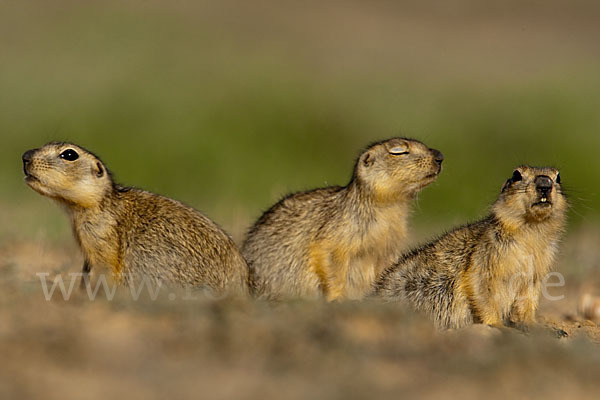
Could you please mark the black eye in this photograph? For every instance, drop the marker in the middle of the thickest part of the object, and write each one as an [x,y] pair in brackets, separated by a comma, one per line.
[516,177]
[69,155]
[558,178]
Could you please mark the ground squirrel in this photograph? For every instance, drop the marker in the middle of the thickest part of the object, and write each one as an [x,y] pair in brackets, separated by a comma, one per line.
[490,271]
[331,241]
[136,234]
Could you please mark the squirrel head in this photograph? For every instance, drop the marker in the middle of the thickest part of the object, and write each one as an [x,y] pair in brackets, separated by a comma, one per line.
[531,195]
[397,168]
[67,173]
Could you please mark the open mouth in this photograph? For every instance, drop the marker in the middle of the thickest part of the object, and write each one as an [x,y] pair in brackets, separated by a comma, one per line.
[28,176]
[434,175]
[31,178]
[544,202]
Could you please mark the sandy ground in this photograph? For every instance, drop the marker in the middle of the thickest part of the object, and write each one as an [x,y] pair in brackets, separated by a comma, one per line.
[177,346]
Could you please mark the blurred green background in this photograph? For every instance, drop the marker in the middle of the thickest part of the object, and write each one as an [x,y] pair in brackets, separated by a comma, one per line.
[228,105]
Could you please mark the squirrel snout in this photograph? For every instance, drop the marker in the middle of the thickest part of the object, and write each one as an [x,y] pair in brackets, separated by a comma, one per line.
[27,156]
[437,156]
[543,184]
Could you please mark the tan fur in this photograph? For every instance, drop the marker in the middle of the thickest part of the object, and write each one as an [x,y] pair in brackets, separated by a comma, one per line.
[333,241]
[133,233]
[490,271]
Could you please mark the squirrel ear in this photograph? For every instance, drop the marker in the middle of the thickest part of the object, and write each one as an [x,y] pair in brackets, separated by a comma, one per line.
[368,159]
[99,170]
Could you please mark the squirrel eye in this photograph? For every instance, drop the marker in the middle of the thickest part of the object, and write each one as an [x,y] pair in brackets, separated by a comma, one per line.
[69,155]
[558,178]
[516,177]
[398,151]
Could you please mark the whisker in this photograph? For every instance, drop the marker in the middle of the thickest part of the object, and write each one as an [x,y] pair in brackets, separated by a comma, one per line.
[574,211]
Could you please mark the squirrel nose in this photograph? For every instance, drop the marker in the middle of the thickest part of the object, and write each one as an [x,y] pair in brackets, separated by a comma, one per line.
[544,184]
[27,156]
[438,156]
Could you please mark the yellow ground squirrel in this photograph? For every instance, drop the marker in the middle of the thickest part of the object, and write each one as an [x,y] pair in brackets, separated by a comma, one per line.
[333,241]
[132,232]
[490,271]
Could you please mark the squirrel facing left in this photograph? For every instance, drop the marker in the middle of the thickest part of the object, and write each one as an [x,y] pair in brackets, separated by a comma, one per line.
[133,233]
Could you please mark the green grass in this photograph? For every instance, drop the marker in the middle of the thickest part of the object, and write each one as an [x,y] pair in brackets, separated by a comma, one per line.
[223,111]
